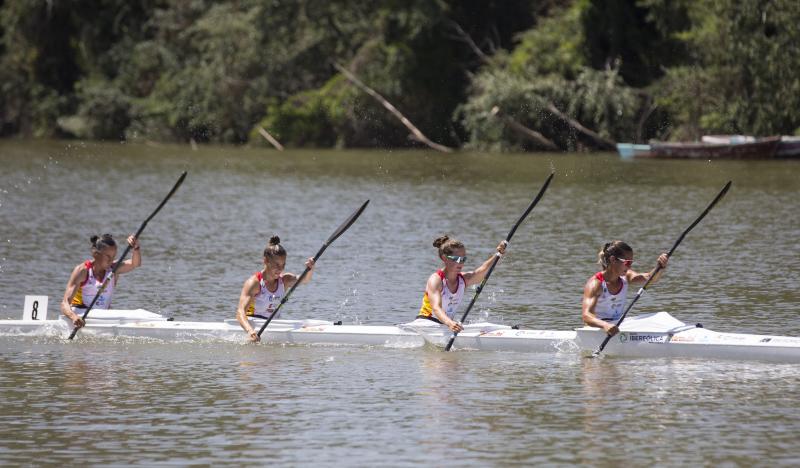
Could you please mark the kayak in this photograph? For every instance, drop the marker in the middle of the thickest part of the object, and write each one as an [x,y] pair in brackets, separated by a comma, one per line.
[662,335]
[140,323]
[650,335]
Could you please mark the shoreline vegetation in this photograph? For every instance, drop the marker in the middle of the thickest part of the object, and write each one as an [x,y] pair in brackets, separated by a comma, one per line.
[520,75]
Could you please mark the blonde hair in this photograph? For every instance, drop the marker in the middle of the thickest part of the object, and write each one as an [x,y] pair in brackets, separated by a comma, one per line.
[615,248]
[447,245]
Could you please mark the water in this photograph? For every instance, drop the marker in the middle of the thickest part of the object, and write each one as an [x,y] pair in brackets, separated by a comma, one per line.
[138,402]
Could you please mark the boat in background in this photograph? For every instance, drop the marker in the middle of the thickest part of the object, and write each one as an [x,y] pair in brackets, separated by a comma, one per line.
[789,147]
[632,150]
[716,147]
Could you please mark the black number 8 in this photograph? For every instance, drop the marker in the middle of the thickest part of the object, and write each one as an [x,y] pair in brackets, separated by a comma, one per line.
[35,311]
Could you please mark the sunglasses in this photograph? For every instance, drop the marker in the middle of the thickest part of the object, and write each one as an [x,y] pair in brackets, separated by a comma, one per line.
[626,262]
[456,258]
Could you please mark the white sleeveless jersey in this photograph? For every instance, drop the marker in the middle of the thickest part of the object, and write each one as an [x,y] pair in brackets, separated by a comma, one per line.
[610,306]
[265,301]
[88,290]
[450,300]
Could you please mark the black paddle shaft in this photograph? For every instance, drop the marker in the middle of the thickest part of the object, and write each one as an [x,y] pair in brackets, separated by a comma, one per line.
[338,232]
[497,257]
[658,267]
[127,249]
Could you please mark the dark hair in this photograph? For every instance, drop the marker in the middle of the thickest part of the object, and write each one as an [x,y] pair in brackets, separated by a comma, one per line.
[615,248]
[447,245]
[274,248]
[102,241]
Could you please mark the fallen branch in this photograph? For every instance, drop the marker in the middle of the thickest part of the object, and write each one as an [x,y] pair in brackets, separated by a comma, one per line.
[602,141]
[278,146]
[467,39]
[418,135]
[531,134]
[652,106]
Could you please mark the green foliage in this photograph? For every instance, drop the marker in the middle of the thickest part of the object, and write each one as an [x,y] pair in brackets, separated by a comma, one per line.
[555,46]
[634,37]
[103,112]
[311,117]
[743,76]
[598,99]
[216,70]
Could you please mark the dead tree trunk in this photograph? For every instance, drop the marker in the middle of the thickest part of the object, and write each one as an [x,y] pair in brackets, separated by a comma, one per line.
[529,133]
[599,139]
[388,105]
[278,146]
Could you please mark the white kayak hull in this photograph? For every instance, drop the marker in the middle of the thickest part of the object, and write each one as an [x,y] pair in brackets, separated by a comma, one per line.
[661,335]
[142,324]
[492,337]
[652,335]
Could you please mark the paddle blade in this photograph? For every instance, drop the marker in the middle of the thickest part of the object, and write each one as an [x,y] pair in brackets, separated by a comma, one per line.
[531,206]
[347,223]
[161,205]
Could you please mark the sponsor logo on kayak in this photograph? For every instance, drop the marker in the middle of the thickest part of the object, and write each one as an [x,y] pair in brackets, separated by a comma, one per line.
[784,339]
[682,339]
[731,337]
[644,338]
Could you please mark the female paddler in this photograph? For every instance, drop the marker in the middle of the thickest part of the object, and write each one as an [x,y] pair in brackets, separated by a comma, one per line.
[605,292]
[445,287]
[88,277]
[263,291]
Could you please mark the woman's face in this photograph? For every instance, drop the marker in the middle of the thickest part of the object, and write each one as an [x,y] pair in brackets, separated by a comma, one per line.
[455,260]
[275,266]
[620,265]
[103,258]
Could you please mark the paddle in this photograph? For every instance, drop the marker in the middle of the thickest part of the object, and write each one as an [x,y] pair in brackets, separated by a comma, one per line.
[338,232]
[125,253]
[497,256]
[658,267]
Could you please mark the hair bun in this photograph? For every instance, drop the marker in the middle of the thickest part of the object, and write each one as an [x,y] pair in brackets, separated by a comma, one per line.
[93,239]
[274,240]
[439,241]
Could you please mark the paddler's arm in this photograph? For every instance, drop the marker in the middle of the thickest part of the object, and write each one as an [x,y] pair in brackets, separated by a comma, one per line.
[591,293]
[289,279]
[477,275]
[639,279]
[77,277]
[248,294]
[434,291]
[136,257]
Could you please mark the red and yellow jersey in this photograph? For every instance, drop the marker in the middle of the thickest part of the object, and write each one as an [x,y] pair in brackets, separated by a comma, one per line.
[450,300]
[265,301]
[609,305]
[88,290]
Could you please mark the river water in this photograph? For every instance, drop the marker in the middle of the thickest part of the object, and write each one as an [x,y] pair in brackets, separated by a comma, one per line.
[96,401]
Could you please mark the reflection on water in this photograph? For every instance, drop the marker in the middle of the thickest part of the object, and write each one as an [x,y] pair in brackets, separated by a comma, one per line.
[135,401]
